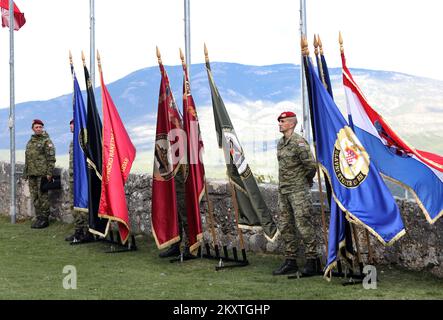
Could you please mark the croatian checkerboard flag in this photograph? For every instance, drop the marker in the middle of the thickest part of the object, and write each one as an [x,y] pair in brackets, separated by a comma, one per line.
[420,172]
[357,186]
[19,17]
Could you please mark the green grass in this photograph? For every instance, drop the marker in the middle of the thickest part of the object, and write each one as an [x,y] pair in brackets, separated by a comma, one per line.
[32,261]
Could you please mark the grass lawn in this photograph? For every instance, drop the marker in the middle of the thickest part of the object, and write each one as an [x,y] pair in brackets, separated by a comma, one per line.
[32,262]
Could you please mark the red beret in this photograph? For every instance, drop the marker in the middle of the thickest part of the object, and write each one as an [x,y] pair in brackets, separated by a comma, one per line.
[37,121]
[286,114]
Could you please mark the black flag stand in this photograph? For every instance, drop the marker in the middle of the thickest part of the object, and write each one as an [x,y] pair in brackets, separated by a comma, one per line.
[237,263]
[207,248]
[116,245]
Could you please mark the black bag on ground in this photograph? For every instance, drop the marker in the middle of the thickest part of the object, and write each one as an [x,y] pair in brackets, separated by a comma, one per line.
[54,184]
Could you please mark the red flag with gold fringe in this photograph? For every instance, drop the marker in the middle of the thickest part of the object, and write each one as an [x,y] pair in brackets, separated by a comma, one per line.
[165,227]
[195,182]
[118,156]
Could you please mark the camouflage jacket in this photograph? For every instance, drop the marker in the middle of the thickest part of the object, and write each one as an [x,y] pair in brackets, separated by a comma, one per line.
[71,161]
[39,156]
[296,165]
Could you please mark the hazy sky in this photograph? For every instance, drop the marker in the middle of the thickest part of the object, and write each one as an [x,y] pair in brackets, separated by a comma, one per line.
[397,35]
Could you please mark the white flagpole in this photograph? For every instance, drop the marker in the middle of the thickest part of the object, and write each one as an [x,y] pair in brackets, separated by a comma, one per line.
[305,101]
[188,36]
[92,42]
[13,212]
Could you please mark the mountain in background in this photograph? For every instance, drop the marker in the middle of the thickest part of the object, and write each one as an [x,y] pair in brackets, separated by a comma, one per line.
[254,96]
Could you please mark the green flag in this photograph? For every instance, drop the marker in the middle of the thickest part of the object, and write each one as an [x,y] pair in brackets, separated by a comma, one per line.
[253,211]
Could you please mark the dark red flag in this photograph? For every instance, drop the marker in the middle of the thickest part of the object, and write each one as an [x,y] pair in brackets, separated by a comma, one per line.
[19,17]
[118,155]
[195,182]
[165,226]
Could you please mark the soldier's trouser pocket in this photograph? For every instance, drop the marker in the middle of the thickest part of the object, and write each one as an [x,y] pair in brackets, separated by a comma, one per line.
[40,199]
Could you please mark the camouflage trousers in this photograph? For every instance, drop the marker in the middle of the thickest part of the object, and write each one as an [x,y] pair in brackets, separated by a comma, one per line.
[182,218]
[296,213]
[40,199]
[80,218]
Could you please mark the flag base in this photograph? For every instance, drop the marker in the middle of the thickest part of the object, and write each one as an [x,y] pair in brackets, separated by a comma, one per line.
[116,246]
[222,259]
[236,261]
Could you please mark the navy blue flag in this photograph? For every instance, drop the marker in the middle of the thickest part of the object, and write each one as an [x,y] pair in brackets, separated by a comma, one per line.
[357,187]
[94,144]
[81,196]
[340,236]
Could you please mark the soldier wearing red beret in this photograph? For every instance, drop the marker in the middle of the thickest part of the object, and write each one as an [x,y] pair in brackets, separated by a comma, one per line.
[296,170]
[39,164]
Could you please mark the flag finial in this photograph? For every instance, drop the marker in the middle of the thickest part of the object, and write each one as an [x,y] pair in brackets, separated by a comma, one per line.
[315,45]
[83,59]
[99,62]
[320,44]
[206,53]
[182,57]
[304,46]
[340,40]
[70,57]
[159,56]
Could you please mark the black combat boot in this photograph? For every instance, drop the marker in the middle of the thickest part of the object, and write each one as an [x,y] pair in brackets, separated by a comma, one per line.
[87,237]
[75,235]
[40,223]
[82,236]
[312,267]
[173,251]
[187,255]
[288,267]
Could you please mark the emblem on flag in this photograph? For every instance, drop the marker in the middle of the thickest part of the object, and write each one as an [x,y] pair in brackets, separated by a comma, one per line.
[236,152]
[163,168]
[351,161]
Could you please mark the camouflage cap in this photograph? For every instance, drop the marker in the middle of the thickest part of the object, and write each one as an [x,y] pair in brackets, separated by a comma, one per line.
[286,114]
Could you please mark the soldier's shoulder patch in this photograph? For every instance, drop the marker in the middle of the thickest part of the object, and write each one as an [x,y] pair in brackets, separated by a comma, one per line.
[301,143]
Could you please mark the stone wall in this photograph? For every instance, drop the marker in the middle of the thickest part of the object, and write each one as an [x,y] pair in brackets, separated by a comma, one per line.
[420,249]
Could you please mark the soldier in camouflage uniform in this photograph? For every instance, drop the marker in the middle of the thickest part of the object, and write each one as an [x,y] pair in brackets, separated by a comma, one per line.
[174,250]
[39,163]
[81,233]
[297,169]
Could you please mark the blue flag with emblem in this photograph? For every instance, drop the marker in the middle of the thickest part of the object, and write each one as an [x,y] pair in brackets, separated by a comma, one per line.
[81,197]
[339,236]
[357,187]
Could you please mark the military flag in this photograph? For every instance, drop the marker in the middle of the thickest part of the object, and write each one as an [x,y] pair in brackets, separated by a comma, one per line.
[19,17]
[195,181]
[253,211]
[167,157]
[357,187]
[418,171]
[118,156]
[81,198]
[340,236]
[97,225]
